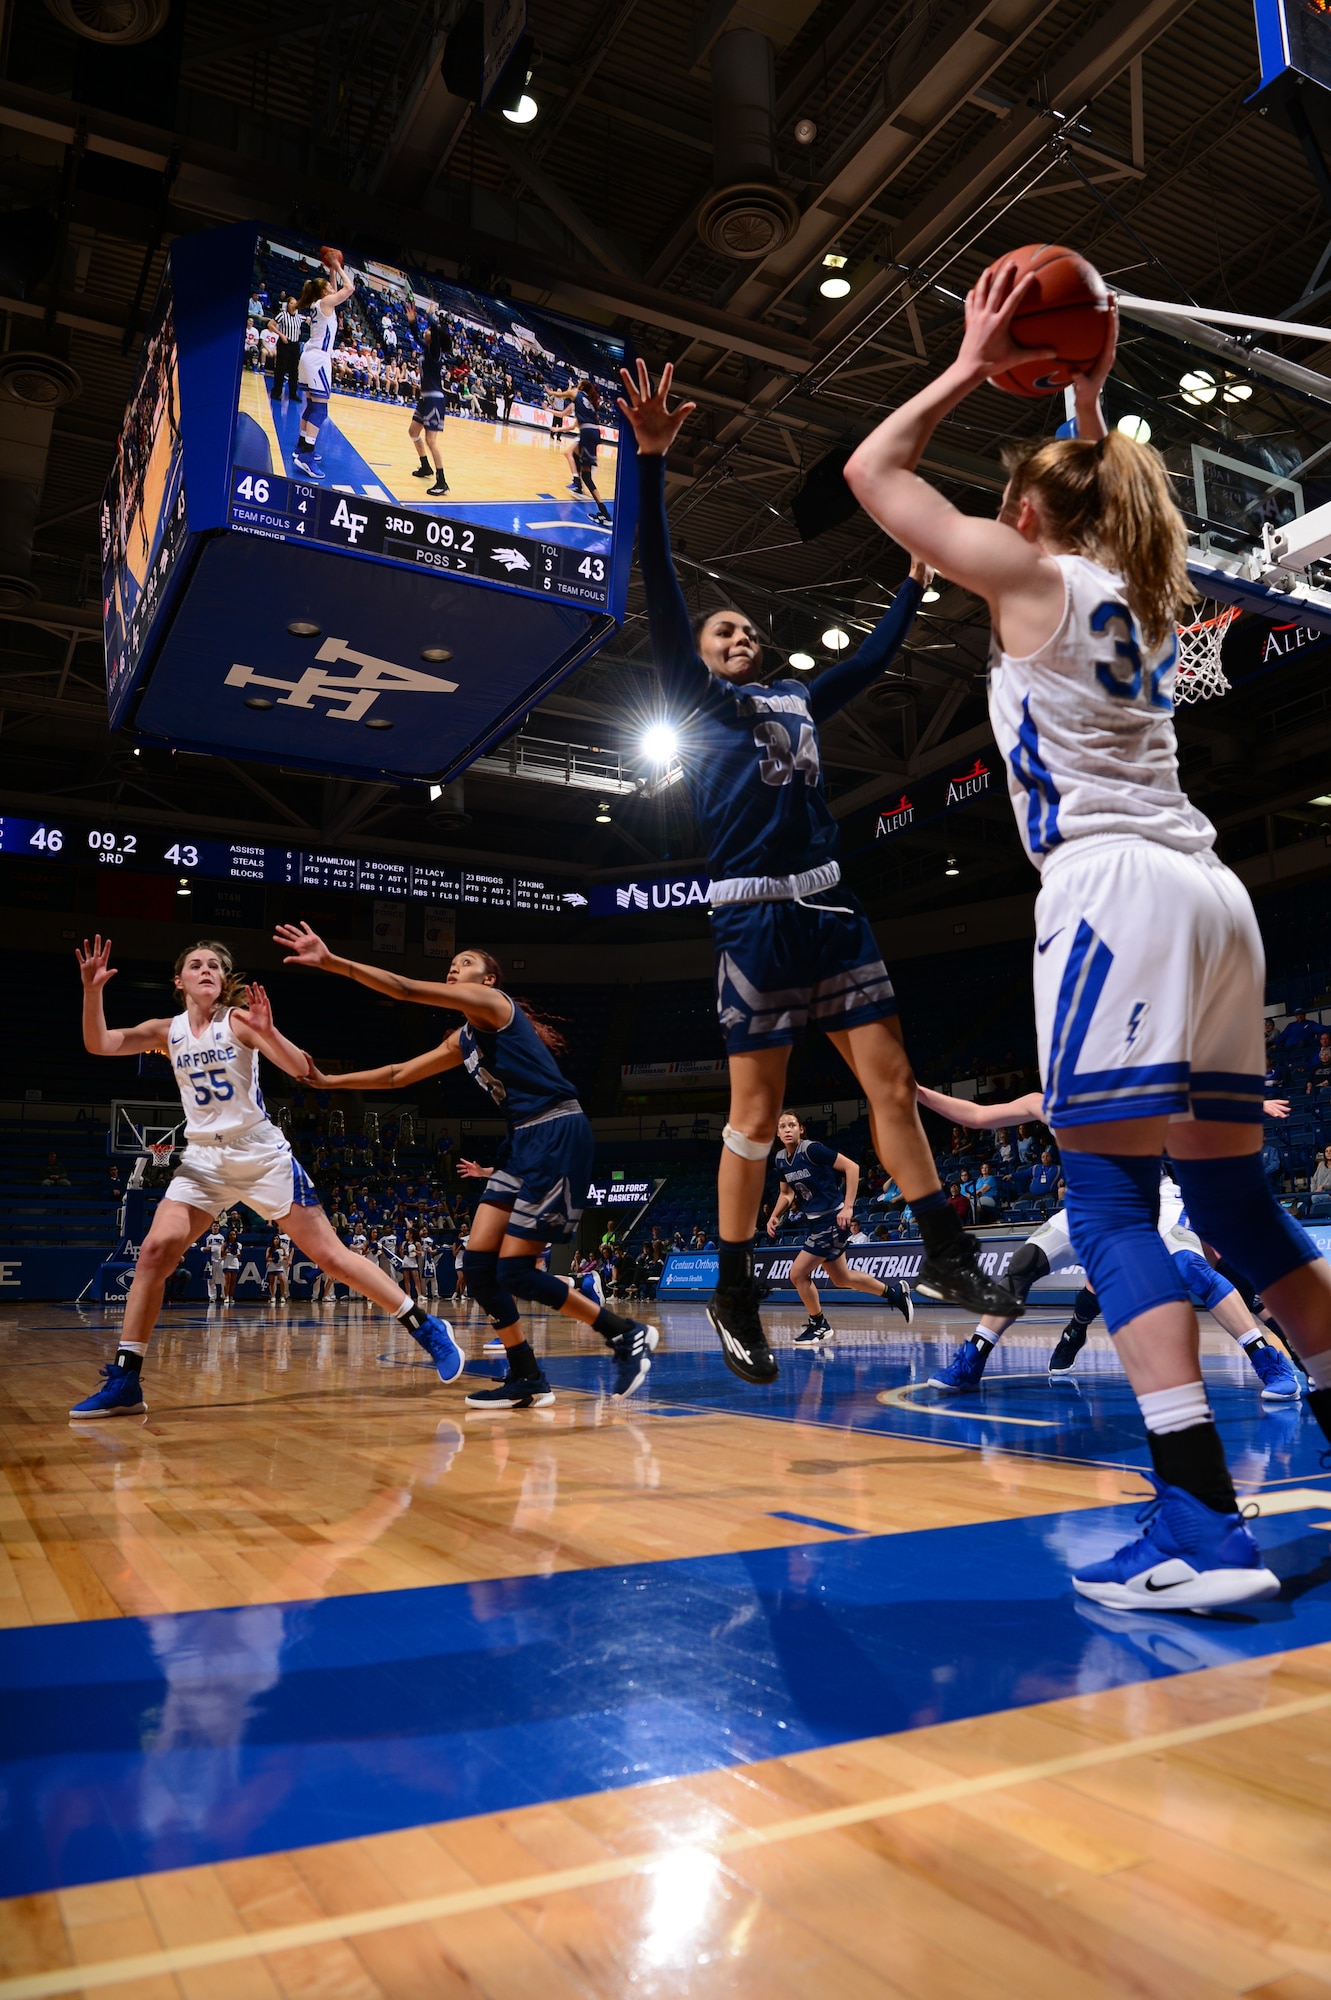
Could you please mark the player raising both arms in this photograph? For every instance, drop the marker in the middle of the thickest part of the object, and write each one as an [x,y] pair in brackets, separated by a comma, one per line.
[233,1154]
[320,300]
[534,1195]
[821,1184]
[581,454]
[1149,972]
[791,945]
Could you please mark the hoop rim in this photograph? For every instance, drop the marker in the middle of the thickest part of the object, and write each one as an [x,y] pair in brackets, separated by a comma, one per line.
[1225,616]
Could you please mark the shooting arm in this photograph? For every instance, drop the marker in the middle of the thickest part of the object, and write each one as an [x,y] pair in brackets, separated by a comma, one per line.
[982,1117]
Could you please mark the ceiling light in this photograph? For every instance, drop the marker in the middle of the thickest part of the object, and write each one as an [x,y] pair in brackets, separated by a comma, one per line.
[835,284]
[1237,392]
[524,111]
[835,639]
[952,868]
[603,814]
[803,663]
[931,595]
[183,886]
[805,132]
[659,743]
[1198,386]
[1135,428]
[1323,800]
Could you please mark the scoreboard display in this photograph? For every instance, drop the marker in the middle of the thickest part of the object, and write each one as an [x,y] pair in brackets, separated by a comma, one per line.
[1294,40]
[185,855]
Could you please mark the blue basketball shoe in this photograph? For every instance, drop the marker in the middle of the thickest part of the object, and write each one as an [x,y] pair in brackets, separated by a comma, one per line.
[1279,1382]
[121,1395]
[963,1371]
[436,1337]
[632,1350]
[1189,1559]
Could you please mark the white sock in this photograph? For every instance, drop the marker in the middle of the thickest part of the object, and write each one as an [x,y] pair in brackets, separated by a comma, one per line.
[1175,1409]
[983,1333]
[1252,1338]
[139,1347]
[400,1312]
[1319,1369]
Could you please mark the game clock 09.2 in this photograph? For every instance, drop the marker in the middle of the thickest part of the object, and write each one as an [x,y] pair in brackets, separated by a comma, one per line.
[268,504]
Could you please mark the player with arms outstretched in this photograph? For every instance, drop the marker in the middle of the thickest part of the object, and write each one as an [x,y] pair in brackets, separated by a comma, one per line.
[233,1153]
[1149,970]
[319,301]
[792,944]
[821,1184]
[533,1196]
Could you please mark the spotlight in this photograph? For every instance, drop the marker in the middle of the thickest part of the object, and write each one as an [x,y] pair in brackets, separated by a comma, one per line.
[1198,386]
[805,132]
[659,743]
[1136,428]
[603,814]
[1237,392]
[803,663]
[436,792]
[835,639]
[836,284]
[523,111]
[182,886]
[952,868]
[931,595]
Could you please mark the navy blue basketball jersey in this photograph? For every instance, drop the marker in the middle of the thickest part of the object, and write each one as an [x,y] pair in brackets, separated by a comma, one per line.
[810,1174]
[515,1069]
[434,353]
[750,754]
[584,409]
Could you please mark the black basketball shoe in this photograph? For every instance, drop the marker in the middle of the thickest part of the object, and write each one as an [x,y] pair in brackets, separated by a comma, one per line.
[956,1279]
[1070,1344]
[744,1347]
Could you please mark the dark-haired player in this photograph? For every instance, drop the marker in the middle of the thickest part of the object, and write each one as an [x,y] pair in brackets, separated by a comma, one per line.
[427,418]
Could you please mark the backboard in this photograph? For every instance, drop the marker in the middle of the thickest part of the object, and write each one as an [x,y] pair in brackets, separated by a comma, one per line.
[137,1125]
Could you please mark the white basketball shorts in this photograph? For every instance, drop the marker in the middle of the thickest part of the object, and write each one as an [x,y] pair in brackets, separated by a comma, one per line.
[1149,985]
[260,1169]
[312,371]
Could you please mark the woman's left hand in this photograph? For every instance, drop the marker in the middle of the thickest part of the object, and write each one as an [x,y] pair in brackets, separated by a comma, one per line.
[846,1219]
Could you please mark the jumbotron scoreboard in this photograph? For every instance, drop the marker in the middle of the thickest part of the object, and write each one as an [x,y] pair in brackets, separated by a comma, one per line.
[337,611]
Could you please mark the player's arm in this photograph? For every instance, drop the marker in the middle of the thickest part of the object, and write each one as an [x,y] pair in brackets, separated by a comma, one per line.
[1275,1107]
[783,1201]
[305,947]
[394,1076]
[842,682]
[256,1029]
[843,1164]
[656,426]
[982,1117]
[96,972]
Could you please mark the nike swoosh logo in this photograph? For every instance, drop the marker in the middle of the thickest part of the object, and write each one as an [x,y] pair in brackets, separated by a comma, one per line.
[1152,1585]
[1050,939]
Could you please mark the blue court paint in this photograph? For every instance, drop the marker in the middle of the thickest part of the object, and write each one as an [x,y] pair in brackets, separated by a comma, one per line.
[812,1521]
[140,1744]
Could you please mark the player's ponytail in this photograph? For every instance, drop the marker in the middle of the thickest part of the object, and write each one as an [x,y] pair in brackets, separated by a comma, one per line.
[314,290]
[547,1026]
[233,982]
[1112,500]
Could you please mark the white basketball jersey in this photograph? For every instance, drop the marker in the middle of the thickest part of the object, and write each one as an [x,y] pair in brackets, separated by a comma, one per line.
[323,328]
[217,1077]
[1085,726]
[215,1245]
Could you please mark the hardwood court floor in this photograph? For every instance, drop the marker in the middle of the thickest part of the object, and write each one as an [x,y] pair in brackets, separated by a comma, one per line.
[315,1685]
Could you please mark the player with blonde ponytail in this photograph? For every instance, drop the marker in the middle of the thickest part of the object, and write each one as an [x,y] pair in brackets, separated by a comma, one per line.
[1149,970]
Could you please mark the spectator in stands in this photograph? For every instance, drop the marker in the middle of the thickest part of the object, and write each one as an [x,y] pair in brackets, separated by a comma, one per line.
[956,1200]
[1300,1033]
[510,396]
[1025,1144]
[55,1175]
[986,1196]
[699,1237]
[892,1199]
[1005,1152]
[1044,1177]
[116,1180]
[1269,1030]
[1323,1060]
[1320,1205]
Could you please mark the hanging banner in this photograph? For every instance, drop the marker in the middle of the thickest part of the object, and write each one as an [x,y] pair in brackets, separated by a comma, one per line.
[440,933]
[930,797]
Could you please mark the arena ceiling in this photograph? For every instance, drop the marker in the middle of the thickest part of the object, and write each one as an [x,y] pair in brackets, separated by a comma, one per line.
[944,132]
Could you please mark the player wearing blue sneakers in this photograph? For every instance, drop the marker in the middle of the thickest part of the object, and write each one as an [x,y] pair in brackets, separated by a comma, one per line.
[792,944]
[820,1185]
[533,1196]
[1149,970]
[233,1153]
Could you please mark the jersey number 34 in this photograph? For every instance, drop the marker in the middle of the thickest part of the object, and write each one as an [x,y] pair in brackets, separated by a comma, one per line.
[781,758]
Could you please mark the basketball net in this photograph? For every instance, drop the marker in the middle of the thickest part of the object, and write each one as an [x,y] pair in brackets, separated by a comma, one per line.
[1200,674]
[158,1153]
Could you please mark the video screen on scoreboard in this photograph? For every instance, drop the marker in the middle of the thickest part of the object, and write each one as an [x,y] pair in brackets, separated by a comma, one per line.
[1308,27]
[143,506]
[395,414]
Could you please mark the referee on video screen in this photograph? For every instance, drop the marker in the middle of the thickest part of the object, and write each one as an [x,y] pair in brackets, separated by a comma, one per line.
[288,326]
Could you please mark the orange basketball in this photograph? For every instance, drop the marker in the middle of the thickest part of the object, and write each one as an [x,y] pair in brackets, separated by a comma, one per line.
[331,259]
[1067,309]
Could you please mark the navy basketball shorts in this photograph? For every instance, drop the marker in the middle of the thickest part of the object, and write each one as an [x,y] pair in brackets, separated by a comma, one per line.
[543,1177]
[826,1237]
[782,965]
[589,443]
[429,410]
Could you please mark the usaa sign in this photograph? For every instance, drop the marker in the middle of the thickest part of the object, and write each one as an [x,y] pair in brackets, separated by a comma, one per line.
[638,899]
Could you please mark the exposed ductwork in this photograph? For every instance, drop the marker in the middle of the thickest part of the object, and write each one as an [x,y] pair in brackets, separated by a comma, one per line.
[119,23]
[748,215]
[32,388]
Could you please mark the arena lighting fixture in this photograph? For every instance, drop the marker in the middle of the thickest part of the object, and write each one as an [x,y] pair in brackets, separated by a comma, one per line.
[182,886]
[803,663]
[436,792]
[835,639]
[524,111]
[659,743]
[603,814]
[1237,392]
[952,868]
[1136,428]
[805,132]
[1198,386]
[835,284]
[931,595]
[1324,799]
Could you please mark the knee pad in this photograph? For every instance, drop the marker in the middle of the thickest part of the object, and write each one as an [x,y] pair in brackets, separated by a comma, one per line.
[1028,1266]
[521,1276]
[748,1149]
[1206,1287]
[315,413]
[1113,1209]
[479,1268]
[1230,1204]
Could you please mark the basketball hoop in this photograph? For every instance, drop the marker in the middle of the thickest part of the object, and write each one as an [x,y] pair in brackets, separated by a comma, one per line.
[1200,674]
[159,1151]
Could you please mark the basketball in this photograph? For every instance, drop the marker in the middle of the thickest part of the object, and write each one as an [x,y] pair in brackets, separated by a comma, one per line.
[1067,310]
[332,259]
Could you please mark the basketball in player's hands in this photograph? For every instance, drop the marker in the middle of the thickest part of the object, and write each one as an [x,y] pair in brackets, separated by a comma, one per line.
[1067,308]
[331,259]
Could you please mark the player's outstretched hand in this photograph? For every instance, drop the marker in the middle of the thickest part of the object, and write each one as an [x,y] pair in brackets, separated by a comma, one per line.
[1093,380]
[992,304]
[471,1170]
[921,572]
[95,967]
[259,1010]
[655,424]
[314,1075]
[305,946]
[1275,1107]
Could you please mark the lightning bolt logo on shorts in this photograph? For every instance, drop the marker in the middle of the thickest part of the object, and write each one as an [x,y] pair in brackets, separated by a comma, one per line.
[1140,1009]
